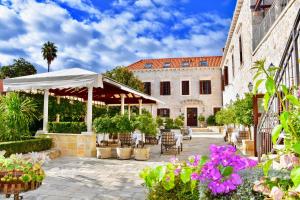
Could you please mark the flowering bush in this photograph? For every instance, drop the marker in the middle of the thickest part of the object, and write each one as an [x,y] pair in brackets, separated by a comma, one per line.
[220,173]
[175,180]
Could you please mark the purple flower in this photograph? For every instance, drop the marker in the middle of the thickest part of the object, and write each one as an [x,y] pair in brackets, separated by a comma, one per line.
[194,160]
[177,171]
[174,160]
[195,176]
[221,157]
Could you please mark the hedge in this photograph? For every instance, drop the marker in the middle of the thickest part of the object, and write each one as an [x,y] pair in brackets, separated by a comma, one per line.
[66,127]
[26,146]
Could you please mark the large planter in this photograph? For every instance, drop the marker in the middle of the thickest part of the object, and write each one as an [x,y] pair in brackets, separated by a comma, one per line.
[142,153]
[124,153]
[16,186]
[104,152]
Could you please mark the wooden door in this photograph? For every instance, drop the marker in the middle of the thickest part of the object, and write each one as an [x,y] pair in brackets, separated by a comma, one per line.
[191,117]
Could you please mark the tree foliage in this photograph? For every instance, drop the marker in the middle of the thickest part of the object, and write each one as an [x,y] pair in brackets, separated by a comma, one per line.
[49,52]
[20,67]
[126,77]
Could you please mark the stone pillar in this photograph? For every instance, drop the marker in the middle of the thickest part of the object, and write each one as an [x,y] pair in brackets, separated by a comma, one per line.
[45,112]
[140,106]
[57,115]
[122,104]
[89,118]
[129,111]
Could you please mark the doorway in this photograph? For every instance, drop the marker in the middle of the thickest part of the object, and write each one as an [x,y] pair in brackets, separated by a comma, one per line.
[192,116]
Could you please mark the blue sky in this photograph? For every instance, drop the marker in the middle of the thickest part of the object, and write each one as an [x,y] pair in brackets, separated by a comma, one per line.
[101,34]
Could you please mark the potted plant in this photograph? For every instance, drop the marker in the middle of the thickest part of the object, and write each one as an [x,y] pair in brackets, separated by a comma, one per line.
[104,125]
[18,174]
[148,126]
[201,120]
[124,128]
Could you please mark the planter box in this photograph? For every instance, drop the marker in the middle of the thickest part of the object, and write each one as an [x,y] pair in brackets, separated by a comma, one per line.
[142,153]
[104,152]
[124,153]
[248,146]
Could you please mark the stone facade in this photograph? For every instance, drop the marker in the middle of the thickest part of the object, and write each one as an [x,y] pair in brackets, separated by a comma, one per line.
[245,24]
[178,103]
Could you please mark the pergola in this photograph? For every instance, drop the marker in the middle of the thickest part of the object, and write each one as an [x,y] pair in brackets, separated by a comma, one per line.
[86,85]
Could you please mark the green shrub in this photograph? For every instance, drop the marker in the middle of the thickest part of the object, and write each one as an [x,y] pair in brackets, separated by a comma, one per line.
[178,122]
[159,121]
[146,124]
[123,124]
[67,127]
[26,146]
[169,123]
[211,120]
[201,118]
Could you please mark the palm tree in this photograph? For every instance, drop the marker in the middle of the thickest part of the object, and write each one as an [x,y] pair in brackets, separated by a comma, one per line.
[49,51]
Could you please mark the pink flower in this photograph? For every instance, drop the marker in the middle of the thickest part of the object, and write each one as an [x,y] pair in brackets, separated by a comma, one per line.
[276,193]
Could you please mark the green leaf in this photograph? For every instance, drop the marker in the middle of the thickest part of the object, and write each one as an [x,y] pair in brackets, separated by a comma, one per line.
[267,166]
[276,132]
[257,84]
[284,89]
[257,75]
[202,161]
[185,174]
[284,120]
[295,176]
[296,148]
[270,86]
[293,100]
[266,101]
[226,171]
[160,172]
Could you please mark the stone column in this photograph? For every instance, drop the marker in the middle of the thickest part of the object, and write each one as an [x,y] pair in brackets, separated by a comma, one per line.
[45,112]
[89,118]
[122,104]
[58,115]
[140,106]
[129,111]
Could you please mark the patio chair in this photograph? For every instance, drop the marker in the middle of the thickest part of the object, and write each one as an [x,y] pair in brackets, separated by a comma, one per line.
[185,133]
[150,139]
[126,139]
[168,142]
[243,135]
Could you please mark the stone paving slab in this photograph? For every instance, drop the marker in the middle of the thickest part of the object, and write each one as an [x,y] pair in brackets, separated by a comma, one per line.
[71,178]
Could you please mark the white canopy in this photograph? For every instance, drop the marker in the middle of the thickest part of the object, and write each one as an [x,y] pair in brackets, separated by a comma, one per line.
[67,78]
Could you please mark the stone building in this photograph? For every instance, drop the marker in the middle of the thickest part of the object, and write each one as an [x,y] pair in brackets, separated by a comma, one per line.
[189,86]
[259,30]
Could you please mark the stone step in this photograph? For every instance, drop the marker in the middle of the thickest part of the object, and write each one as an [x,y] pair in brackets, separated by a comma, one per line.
[201,130]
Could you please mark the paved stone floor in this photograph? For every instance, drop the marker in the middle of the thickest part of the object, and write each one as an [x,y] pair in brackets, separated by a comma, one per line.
[91,178]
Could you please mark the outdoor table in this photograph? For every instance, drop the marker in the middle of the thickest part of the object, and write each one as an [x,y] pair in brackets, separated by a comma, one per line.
[102,137]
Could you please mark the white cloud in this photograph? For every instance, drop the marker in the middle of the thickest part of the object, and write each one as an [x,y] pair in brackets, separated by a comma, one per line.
[140,29]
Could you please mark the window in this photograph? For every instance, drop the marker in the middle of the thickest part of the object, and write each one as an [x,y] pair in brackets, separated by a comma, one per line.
[163,112]
[203,63]
[233,65]
[241,50]
[226,79]
[185,87]
[165,88]
[216,109]
[147,88]
[167,65]
[148,65]
[205,87]
[185,64]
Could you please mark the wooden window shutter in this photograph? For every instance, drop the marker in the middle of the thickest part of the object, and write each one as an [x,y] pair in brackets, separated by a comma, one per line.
[161,88]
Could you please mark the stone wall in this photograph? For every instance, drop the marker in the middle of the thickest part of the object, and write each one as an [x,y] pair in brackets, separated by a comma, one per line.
[176,102]
[80,145]
[239,75]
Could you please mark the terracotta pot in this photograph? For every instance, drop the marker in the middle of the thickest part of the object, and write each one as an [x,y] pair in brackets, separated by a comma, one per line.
[124,153]
[104,152]
[142,153]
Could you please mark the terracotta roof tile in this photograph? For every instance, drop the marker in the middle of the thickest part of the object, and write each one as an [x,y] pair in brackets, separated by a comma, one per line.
[212,61]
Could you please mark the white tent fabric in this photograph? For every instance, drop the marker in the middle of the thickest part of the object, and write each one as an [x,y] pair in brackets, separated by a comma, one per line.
[67,78]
